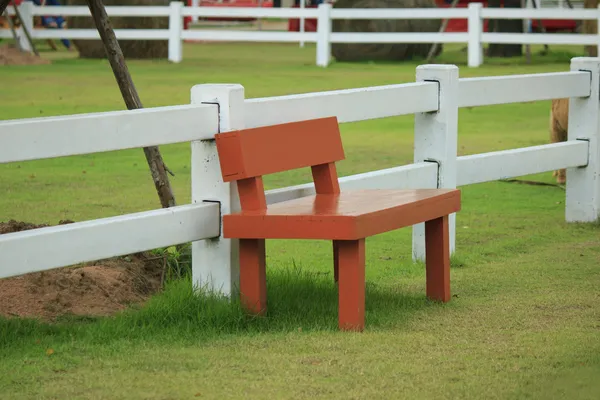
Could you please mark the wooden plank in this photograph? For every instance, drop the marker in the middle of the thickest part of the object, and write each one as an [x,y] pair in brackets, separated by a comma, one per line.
[521,88]
[38,138]
[248,36]
[540,13]
[112,11]
[64,245]
[250,12]
[347,105]
[496,165]
[395,13]
[412,176]
[404,37]
[539,38]
[129,34]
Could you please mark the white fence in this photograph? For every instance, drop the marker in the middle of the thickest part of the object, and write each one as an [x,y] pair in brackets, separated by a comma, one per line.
[434,100]
[324,37]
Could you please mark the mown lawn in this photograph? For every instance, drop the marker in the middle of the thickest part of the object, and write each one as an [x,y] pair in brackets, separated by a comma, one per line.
[524,321]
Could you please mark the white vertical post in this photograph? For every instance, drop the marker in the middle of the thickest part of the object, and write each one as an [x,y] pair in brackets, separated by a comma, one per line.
[324,34]
[475,27]
[26,11]
[302,7]
[436,135]
[583,183]
[598,31]
[195,4]
[215,262]
[175,30]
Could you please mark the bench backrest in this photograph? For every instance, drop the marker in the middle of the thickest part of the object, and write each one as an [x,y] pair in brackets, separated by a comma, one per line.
[248,154]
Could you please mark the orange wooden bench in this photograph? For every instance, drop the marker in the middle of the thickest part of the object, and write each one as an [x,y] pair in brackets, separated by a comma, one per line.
[346,218]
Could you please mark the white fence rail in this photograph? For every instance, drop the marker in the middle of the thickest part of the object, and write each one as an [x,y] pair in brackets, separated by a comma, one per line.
[324,37]
[434,100]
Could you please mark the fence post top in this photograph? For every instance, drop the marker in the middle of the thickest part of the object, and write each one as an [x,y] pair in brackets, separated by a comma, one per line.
[585,60]
[476,5]
[437,67]
[324,5]
[178,4]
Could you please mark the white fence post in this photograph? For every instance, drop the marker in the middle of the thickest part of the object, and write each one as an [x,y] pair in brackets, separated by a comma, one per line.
[195,5]
[301,26]
[215,262]
[26,11]
[583,184]
[175,29]
[436,135]
[324,35]
[475,28]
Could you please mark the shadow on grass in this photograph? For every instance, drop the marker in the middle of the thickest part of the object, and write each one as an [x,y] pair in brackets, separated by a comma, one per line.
[297,300]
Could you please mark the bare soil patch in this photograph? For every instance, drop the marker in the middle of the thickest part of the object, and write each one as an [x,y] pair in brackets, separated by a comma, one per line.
[100,288]
[10,55]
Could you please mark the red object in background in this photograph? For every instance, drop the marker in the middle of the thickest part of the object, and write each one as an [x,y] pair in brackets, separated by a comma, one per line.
[310,24]
[454,25]
[460,25]
[16,2]
[235,3]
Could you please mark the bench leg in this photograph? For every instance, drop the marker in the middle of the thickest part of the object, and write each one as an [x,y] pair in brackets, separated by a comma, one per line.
[351,285]
[253,278]
[437,259]
[336,261]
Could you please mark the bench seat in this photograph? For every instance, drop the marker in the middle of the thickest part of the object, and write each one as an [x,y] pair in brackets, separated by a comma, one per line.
[350,215]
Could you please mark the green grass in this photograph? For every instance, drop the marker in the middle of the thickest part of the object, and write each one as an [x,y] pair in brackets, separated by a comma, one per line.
[523,323]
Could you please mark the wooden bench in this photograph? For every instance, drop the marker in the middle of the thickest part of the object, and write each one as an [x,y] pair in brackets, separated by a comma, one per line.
[346,218]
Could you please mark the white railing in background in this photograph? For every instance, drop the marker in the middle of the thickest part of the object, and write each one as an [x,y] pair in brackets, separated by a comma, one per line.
[324,37]
[434,100]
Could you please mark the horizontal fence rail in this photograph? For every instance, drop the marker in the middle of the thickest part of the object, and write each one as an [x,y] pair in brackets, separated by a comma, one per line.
[57,246]
[347,105]
[522,88]
[504,164]
[39,138]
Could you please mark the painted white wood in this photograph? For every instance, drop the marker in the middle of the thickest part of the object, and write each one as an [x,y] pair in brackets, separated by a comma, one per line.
[475,28]
[57,246]
[38,138]
[175,28]
[400,37]
[302,20]
[543,13]
[413,176]
[398,13]
[539,38]
[26,9]
[521,88]
[583,184]
[215,262]
[195,5]
[250,12]
[112,11]
[324,34]
[347,105]
[487,167]
[129,34]
[248,36]
[436,137]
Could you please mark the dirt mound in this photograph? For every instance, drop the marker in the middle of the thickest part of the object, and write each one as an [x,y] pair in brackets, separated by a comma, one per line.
[10,55]
[94,289]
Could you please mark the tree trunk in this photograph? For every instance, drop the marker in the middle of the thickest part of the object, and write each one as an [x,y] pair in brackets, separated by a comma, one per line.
[590,27]
[131,98]
[3,5]
[505,26]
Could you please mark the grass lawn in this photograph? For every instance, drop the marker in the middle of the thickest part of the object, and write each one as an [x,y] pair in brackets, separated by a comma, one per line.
[524,321]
